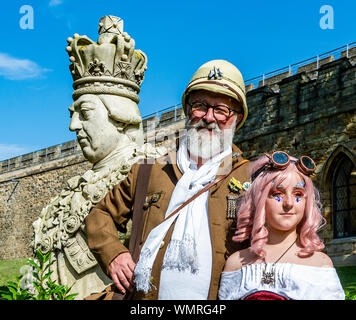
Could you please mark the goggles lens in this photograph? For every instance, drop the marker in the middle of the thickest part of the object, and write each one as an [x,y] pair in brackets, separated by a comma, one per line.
[280,158]
[308,163]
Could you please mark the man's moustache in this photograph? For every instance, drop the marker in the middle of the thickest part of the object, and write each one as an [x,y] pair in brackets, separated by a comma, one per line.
[202,125]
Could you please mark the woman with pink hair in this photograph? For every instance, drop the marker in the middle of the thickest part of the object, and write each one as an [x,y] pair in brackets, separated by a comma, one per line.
[280,214]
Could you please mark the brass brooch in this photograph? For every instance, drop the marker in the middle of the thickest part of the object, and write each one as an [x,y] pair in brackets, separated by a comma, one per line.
[150,200]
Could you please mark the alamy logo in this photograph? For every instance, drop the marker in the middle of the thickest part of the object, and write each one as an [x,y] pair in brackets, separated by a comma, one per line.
[327,20]
[26,21]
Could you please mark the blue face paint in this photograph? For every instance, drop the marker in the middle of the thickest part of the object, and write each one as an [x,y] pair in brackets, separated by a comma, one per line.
[300,184]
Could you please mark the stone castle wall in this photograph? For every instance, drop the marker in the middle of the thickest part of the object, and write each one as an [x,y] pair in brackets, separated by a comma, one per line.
[305,114]
[23,194]
[310,112]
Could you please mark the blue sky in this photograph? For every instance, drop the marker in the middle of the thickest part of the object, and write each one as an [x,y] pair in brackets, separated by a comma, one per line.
[177,36]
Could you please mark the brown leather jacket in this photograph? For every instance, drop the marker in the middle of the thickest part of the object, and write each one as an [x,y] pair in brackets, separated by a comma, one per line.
[114,211]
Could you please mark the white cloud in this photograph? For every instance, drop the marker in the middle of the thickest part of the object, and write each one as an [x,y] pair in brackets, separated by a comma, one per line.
[8,151]
[19,69]
[54,3]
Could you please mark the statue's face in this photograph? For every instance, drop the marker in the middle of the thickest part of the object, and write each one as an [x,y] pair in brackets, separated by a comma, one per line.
[97,135]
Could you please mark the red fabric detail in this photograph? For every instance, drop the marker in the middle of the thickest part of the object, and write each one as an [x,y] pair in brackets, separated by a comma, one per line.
[264,295]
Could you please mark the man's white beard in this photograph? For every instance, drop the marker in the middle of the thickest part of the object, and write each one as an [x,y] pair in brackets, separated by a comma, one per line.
[203,144]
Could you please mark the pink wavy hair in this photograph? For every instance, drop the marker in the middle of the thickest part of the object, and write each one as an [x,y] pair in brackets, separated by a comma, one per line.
[252,216]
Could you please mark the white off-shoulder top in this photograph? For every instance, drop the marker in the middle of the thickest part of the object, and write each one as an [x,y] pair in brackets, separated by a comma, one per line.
[291,281]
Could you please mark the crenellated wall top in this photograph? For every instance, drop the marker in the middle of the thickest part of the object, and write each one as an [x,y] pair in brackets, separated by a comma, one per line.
[280,100]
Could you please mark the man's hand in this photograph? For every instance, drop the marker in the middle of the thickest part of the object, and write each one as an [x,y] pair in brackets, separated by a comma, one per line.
[121,271]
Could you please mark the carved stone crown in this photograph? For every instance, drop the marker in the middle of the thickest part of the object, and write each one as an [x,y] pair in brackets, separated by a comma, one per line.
[110,66]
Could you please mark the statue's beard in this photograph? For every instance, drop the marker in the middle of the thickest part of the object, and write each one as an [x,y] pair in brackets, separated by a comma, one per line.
[208,140]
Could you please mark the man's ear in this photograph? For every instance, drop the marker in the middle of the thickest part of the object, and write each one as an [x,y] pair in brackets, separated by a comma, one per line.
[239,118]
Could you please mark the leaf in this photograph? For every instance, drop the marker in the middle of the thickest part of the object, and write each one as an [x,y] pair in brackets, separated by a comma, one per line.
[34,264]
[40,256]
[47,257]
[13,291]
[4,289]
[25,296]
[49,264]
[36,276]
[71,296]
[42,296]
[47,276]
[50,283]
[12,284]
[37,286]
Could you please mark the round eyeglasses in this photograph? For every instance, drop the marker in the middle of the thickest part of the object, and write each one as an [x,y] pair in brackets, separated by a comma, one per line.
[200,109]
[280,160]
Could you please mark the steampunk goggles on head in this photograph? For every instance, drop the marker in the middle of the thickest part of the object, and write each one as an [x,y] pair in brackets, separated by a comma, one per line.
[280,160]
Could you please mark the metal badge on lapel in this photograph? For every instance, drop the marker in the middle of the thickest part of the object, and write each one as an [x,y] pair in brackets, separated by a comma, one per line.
[246,185]
[235,185]
[155,197]
[235,155]
[151,199]
[231,207]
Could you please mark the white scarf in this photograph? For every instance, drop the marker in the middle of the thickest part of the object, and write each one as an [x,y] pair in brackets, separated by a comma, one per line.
[181,251]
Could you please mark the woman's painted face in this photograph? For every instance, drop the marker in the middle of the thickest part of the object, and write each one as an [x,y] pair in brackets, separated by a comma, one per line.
[285,203]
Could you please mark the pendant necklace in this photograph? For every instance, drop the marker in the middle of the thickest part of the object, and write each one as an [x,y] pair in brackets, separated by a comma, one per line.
[268,277]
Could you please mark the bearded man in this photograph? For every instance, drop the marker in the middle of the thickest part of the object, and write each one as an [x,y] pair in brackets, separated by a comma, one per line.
[189,200]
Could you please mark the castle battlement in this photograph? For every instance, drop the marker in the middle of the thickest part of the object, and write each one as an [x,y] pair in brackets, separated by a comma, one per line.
[278,100]
[34,158]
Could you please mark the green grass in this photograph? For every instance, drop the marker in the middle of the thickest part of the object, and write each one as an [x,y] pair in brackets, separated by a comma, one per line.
[347,275]
[9,269]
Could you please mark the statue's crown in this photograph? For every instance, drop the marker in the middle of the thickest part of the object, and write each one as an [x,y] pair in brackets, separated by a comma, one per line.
[110,66]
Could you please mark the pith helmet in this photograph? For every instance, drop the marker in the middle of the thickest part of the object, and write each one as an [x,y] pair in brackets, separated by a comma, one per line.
[219,76]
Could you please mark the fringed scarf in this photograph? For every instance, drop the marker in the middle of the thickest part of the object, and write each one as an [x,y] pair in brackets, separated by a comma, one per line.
[181,252]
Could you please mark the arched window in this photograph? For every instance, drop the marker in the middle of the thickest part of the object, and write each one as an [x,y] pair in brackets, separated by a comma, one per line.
[344,199]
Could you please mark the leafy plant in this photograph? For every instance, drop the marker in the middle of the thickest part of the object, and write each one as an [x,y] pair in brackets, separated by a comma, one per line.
[43,288]
[13,291]
[350,291]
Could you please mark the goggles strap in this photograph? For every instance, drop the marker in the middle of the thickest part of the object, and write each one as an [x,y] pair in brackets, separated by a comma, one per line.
[257,172]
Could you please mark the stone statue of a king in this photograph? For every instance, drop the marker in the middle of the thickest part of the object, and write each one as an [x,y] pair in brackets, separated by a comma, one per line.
[105,117]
